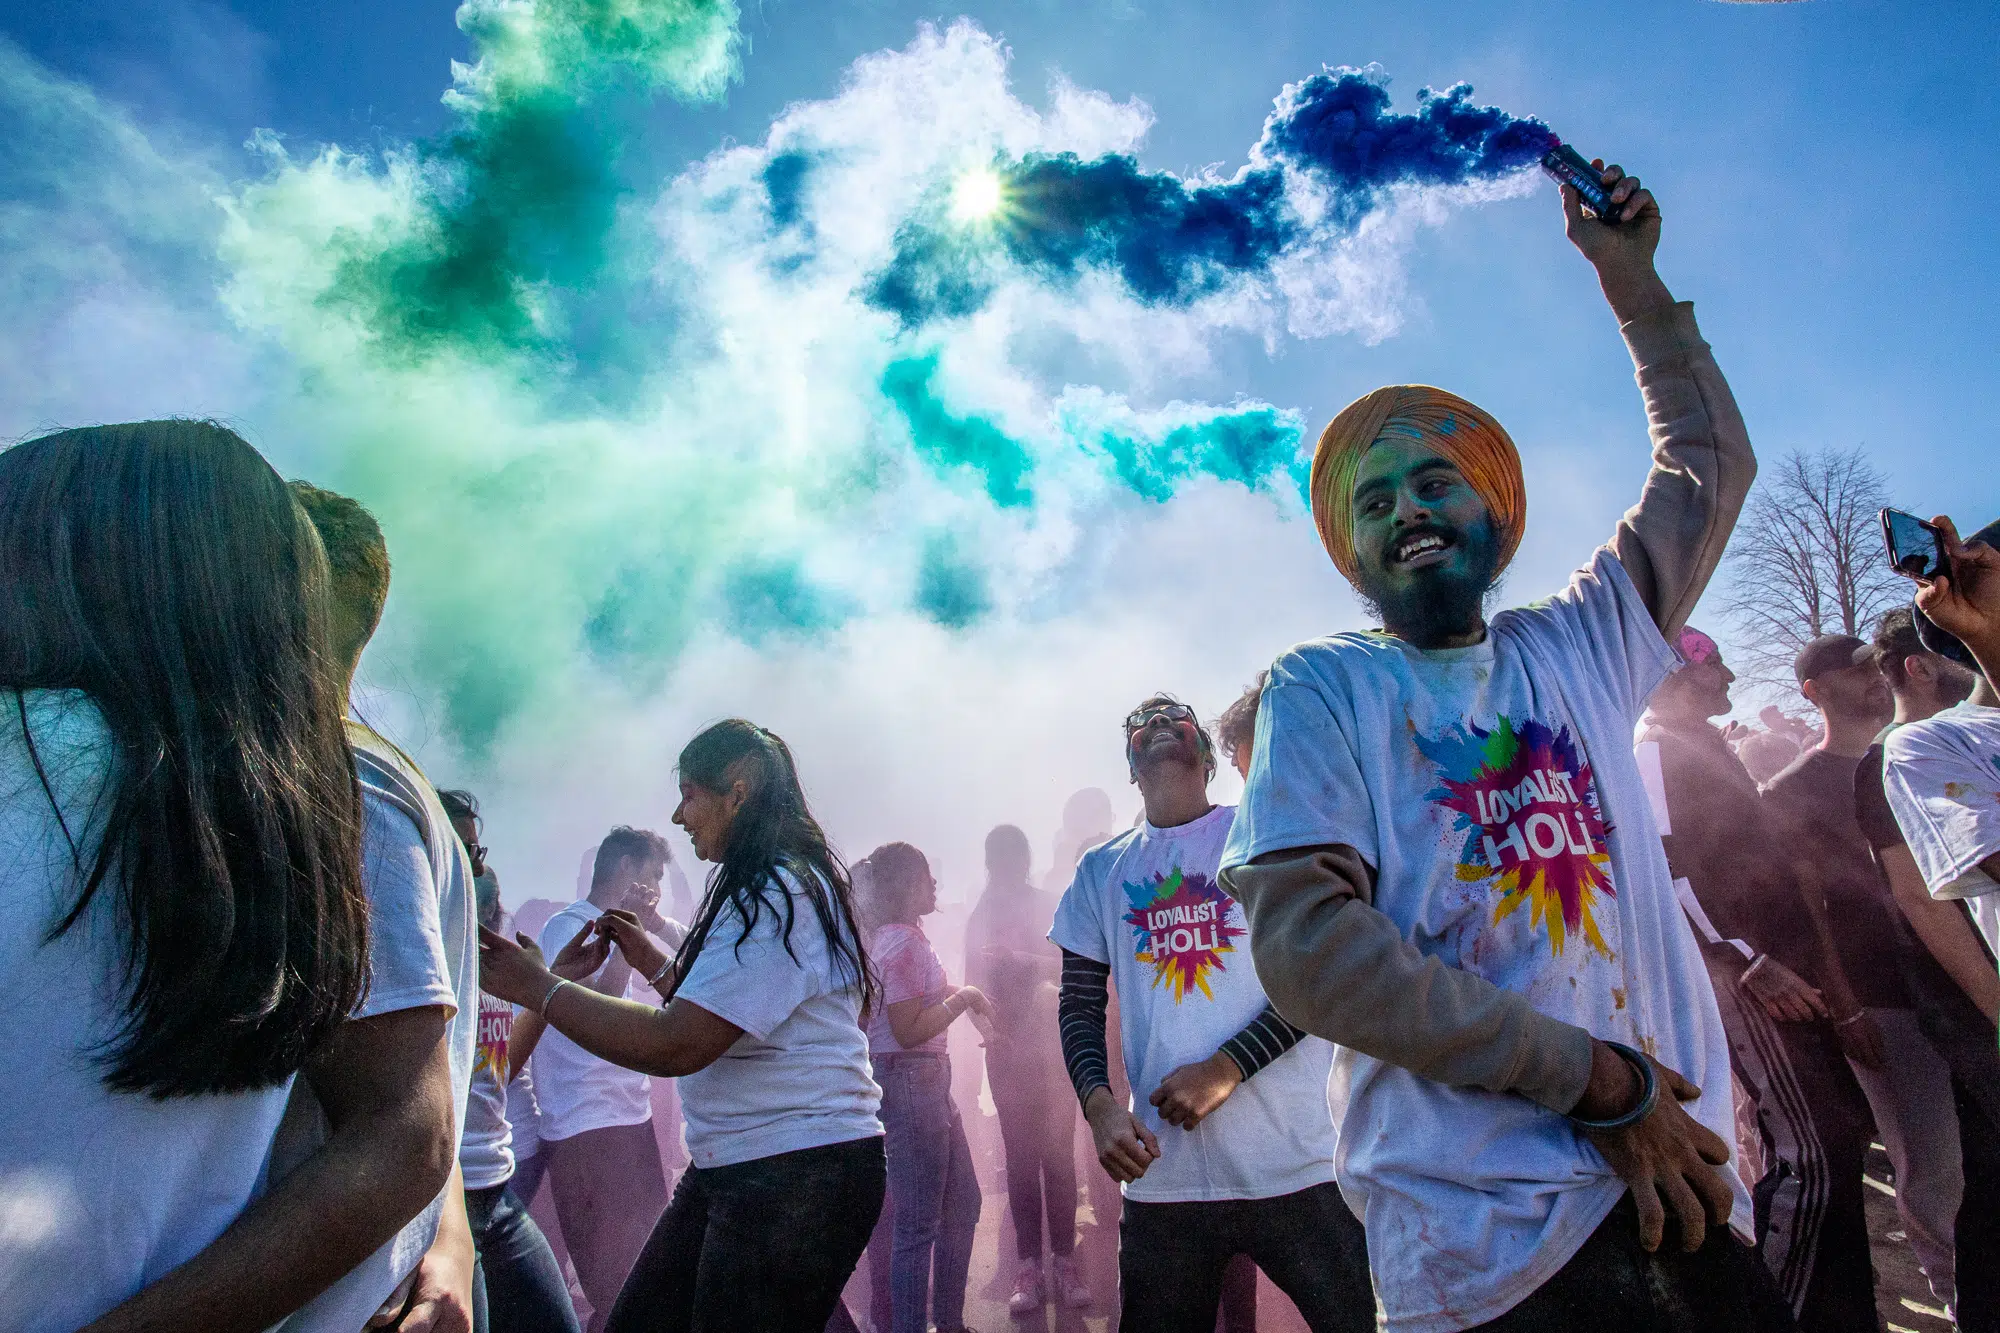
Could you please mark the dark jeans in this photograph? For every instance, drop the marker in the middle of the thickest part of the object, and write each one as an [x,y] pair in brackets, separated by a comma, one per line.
[1037,1110]
[762,1246]
[1171,1258]
[1976,1237]
[1613,1285]
[517,1286]
[934,1193]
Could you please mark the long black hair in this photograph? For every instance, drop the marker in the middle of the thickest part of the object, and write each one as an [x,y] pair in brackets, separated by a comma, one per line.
[773,831]
[162,569]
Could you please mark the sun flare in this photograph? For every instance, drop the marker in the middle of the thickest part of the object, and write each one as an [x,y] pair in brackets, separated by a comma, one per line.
[976,196]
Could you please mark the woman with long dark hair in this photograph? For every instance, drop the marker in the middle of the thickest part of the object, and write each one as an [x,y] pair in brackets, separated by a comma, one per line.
[934,1194]
[762,1026]
[182,922]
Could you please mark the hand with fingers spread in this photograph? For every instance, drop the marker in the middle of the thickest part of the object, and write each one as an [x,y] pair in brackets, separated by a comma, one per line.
[512,970]
[623,928]
[1783,993]
[1965,601]
[1669,1160]
[1191,1093]
[1125,1148]
[582,956]
[1621,254]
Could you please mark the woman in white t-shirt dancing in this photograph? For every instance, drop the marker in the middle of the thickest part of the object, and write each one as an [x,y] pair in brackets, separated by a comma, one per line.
[762,1027]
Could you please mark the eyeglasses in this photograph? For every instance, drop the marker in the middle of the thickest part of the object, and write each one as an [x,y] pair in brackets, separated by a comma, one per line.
[1139,717]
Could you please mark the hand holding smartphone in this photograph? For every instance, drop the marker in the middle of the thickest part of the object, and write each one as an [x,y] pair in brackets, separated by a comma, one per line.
[1916,548]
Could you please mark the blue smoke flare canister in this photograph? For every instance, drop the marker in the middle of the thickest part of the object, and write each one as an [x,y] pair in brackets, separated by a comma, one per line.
[1568,167]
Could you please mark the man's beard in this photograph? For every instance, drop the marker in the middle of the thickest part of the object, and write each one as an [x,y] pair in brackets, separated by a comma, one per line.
[1440,605]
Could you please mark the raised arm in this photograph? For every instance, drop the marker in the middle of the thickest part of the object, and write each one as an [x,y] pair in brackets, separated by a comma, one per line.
[1672,540]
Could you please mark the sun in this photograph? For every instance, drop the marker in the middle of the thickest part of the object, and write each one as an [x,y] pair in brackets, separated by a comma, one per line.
[976,196]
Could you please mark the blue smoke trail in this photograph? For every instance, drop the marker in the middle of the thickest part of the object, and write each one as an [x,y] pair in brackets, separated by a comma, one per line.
[1172,242]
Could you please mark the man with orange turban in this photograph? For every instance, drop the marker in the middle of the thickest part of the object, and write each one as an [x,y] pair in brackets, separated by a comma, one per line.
[1451,869]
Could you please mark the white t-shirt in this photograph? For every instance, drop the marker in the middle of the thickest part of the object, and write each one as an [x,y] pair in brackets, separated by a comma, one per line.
[576,1090]
[1942,777]
[423,942]
[486,1152]
[1147,904]
[908,969]
[101,1193]
[524,1114]
[1495,792]
[799,1075]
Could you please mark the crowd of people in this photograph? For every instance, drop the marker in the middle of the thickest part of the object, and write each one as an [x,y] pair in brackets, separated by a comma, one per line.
[1511,995]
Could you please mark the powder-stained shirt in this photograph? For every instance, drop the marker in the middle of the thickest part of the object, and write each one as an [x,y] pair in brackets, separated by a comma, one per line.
[1495,793]
[486,1152]
[1147,904]
[909,970]
[1942,776]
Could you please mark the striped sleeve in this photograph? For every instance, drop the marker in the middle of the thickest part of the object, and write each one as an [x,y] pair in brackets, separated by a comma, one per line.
[1267,1038]
[1086,996]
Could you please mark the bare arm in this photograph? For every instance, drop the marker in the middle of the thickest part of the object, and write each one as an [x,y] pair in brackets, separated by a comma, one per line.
[682,1038]
[1672,540]
[1944,930]
[385,1084]
[914,1023]
[522,1038]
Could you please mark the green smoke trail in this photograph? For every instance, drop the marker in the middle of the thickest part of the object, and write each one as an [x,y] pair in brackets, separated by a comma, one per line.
[774,461]
[518,201]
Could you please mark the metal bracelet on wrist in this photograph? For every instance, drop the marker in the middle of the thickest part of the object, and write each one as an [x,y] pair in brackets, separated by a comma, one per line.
[550,994]
[1649,1095]
[664,968]
[1852,1018]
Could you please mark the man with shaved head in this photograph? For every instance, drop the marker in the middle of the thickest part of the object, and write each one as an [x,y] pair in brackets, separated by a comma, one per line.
[1451,868]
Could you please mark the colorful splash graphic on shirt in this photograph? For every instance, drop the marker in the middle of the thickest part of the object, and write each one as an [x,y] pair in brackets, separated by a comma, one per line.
[496,1025]
[1528,807]
[1183,928]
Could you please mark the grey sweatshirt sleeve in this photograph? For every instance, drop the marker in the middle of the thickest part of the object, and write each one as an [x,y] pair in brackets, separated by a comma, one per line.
[1339,969]
[1672,540]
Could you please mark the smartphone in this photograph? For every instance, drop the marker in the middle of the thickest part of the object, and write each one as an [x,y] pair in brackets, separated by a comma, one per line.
[1916,548]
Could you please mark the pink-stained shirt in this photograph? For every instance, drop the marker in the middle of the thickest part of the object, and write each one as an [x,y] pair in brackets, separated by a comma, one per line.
[909,969]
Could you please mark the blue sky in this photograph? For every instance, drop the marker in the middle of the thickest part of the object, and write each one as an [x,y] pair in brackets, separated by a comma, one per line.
[1824,168]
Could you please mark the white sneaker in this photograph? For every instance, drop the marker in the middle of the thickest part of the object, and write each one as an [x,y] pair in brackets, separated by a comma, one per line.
[1065,1285]
[1027,1297]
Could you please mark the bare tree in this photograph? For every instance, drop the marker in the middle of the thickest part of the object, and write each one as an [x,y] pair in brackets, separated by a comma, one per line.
[1806,560]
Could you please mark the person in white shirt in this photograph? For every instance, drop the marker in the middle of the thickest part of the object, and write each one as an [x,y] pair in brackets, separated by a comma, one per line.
[517,1284]
[1941,775]
[179,940]
[422,970]
[1232,1150]
[762,1026]
[1452,871]
[596,1126]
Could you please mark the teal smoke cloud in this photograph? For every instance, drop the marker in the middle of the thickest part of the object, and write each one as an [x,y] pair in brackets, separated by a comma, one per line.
[602,417]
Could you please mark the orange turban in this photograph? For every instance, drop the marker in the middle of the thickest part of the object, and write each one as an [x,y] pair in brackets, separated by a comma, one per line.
[1473,441]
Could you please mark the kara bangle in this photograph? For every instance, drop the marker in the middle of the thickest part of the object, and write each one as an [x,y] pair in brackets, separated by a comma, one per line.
[1854,1017]
[550,994]
[660,975]
[1649,1095]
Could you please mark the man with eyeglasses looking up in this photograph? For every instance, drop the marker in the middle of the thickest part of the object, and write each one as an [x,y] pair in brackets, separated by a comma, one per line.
[1232,1153]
